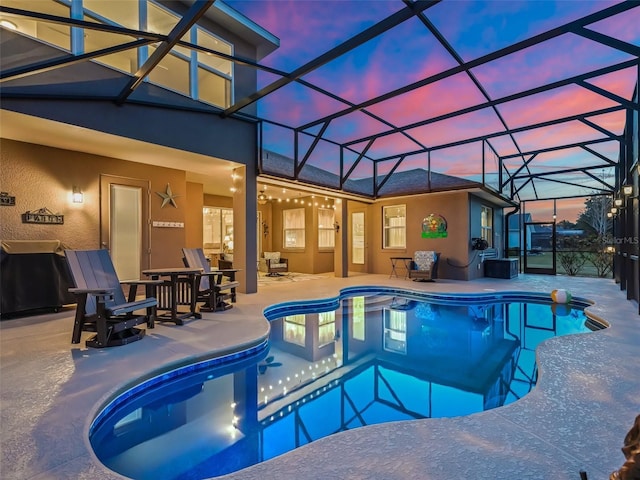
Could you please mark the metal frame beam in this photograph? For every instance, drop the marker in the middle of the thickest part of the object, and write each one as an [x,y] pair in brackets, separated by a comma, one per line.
[195,12]
[355,41]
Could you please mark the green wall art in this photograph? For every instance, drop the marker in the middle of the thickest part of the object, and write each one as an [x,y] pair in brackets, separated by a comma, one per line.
[434,226]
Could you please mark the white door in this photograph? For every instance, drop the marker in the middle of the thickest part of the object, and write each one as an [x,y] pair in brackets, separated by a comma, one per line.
[124,224]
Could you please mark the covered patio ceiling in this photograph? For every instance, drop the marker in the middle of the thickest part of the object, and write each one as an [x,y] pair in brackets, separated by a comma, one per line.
[528,99]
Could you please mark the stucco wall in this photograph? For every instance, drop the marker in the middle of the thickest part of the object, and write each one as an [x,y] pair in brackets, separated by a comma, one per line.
[453,206]
[42,177]
[309,259]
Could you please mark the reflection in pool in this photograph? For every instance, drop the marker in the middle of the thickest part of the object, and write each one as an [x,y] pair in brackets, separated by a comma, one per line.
[376,358]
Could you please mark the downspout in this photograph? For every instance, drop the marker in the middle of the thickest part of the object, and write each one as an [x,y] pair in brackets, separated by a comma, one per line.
[505,241]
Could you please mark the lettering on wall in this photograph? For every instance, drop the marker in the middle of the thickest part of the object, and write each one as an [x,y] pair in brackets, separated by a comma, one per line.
[42,216]
[7,200]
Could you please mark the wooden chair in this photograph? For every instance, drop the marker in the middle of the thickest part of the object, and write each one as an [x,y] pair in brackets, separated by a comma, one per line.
[424,266]
[276,265]
[102,306]
[216,287]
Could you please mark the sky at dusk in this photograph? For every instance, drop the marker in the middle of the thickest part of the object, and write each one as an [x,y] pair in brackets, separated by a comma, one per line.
[409,53]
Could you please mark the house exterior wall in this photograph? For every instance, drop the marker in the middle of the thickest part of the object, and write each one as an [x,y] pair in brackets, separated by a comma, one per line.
[454,250]
[193,221]
[40,177]
[309,259]
[476,259]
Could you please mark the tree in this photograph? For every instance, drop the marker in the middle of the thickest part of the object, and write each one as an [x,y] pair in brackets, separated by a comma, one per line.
[593,218]
[565,225]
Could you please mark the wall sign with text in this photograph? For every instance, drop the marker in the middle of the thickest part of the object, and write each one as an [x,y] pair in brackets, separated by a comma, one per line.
[7,200]
[43,216]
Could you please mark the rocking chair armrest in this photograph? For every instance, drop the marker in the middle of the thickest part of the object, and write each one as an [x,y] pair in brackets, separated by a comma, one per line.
[141,282]
[98,292]
[92,291]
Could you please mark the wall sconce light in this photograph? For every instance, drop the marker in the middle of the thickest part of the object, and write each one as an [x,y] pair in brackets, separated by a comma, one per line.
[77,195]
[617,202]
[609,215]
[336,226]
[8,24]
[265,229]
[614,210]
[627,189]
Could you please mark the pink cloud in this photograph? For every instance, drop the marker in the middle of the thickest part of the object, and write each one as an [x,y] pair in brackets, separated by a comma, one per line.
[430,101]
[557,103]
[623,26]
[459,128]
[559,58]
[621,82]
[556,135]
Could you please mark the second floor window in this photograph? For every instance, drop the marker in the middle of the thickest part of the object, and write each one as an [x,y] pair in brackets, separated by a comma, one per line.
[395,231]
[200,75]
[293,228]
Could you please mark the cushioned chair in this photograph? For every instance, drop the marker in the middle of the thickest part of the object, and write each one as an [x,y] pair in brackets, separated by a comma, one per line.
[276,265]
[102,307]
[215,286]
[424,266]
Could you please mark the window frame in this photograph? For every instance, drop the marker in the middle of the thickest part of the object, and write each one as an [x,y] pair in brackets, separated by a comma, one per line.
[486,228]
[386,228]
[329,229]
[194,65]
[286,229]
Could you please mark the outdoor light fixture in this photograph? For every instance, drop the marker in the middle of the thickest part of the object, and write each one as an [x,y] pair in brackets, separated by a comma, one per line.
[614,210]
[609,215]
[618,202]
[8,25]
[627,189]
[77,195]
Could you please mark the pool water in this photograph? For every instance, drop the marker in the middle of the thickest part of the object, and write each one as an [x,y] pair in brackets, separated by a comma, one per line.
[375,358]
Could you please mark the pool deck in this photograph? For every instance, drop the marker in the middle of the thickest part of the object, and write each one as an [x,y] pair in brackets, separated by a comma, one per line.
[587,396]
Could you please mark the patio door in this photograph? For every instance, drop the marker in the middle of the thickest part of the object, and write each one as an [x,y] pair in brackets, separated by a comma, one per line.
[540,248]
[124,224]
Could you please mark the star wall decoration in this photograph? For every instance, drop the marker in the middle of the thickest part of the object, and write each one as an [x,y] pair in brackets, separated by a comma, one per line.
[168,197]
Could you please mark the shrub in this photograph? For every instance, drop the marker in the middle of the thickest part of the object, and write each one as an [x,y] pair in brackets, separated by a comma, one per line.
[572,261]
[603,261]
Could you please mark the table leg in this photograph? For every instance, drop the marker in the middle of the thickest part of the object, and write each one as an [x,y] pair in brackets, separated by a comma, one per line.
[195,283]
[174,300]
[393,269]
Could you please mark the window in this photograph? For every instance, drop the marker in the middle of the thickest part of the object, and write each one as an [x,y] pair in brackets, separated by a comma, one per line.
[199,75]
[295,329]
[326,219]
[357,241]
[395,231]
[486,225]
[51,33]
[217,225]
[293,222]
[326,328]
[357,327]
[395,331]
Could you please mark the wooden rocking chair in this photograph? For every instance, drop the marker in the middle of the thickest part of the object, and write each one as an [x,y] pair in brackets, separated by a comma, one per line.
[215,287]
[102,307]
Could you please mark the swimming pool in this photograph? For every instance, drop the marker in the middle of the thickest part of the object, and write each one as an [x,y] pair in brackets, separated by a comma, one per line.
[370,355]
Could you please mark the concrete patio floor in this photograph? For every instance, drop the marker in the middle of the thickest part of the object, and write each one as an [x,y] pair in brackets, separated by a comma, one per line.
[587,396]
